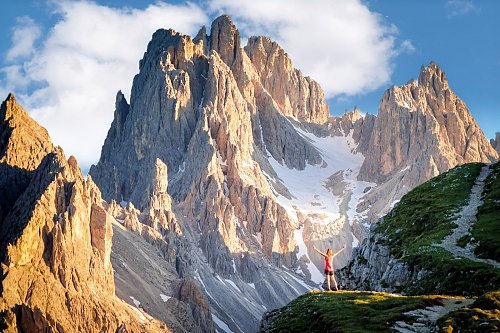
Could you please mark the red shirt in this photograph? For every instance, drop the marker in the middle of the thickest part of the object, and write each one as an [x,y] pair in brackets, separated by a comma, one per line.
[329,263]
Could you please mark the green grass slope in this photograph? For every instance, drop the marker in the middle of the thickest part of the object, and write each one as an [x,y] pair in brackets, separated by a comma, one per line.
[425,215]
[421,220]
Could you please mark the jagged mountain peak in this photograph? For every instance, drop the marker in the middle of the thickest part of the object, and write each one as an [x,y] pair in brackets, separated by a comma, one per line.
[23,142]
[55,237]
[422,129]
[355,114]
[433,76]
[233,161]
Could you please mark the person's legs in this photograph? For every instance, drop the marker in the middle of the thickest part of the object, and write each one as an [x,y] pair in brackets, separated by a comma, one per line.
[328,282]
[334,282]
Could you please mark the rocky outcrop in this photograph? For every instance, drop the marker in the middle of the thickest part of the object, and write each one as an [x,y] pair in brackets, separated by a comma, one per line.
[353,124]
[373,267]
[55,241]
[496,142]
[295,95]
[23,145]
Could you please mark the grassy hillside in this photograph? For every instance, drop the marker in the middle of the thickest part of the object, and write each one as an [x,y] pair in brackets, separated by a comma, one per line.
[351,311]
[425,216]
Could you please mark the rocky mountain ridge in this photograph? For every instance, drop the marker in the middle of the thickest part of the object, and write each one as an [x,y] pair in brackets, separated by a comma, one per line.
[422,130]
[255,172]
[224,170]
[56,241]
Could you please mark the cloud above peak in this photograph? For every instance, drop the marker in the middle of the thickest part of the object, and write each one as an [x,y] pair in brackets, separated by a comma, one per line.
[456,8]
[92,51]
[24,35]
[341,44]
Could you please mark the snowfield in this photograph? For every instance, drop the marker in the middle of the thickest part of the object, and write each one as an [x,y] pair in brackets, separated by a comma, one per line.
[311,197]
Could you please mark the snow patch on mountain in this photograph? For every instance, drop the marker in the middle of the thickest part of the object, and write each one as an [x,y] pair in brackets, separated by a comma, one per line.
[308,187]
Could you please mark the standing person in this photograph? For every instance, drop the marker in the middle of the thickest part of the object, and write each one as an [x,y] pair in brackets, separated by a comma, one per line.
[329,266]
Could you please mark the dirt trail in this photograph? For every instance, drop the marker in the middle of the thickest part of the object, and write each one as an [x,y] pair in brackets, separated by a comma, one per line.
[465,221]
[426,319]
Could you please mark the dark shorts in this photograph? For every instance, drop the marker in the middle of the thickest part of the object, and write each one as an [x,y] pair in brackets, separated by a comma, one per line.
[328,272]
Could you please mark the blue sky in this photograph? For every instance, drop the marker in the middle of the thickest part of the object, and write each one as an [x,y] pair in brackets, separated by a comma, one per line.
[462,37]
[65,60]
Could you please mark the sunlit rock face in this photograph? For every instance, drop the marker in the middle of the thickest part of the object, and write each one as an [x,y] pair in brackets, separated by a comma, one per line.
[55,239]
[422,129]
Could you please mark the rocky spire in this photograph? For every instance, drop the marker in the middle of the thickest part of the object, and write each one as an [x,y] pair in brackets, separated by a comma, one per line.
[432,77]
[225,40]
[202,37]
[23,145]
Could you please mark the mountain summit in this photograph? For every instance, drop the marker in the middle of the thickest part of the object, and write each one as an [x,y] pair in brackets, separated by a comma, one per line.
[422,129]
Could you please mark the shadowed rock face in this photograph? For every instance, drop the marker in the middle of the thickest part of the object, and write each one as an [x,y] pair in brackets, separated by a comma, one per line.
[496,142]
[55,239]
[23,145]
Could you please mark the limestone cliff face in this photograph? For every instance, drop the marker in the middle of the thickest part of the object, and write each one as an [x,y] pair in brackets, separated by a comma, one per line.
[426,125]
[422,129]
[296,95]
[200,107]
[373,267]
[55,240]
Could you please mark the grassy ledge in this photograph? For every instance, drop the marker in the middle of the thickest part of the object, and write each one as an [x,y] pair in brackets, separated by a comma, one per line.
[347,311]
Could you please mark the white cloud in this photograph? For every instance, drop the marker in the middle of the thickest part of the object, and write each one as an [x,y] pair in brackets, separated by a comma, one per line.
[92,52]
[14,76]
[460,7]
[406,47]
[24,35]
[341,44]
